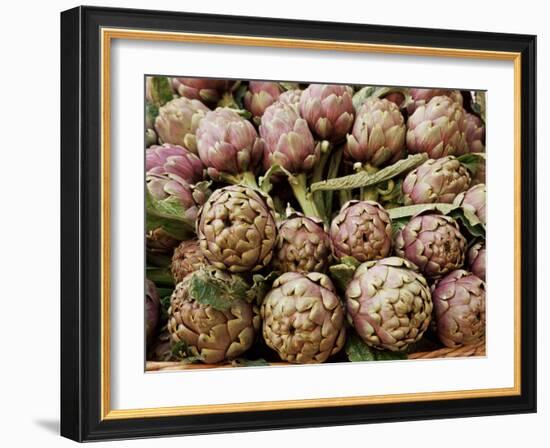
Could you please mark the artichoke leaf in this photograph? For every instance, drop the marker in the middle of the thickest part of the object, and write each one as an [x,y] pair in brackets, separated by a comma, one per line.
[358,351]
[260,287]
[161,91]
[159,276]
[206,289]
[342,274]
[265,181]
[180,351]
[472,161]
[361,96]
[243,362]
[364,179]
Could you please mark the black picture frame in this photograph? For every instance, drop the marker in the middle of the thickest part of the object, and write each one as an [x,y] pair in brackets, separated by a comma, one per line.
[81,226]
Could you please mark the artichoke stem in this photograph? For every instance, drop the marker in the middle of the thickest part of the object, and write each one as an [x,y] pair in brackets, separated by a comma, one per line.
[332,173]
[299,188]
[369,194]
[249,179]
[344,196]
[319,196]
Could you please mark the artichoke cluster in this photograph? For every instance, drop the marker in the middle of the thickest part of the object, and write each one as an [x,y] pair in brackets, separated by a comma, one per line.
[311,223]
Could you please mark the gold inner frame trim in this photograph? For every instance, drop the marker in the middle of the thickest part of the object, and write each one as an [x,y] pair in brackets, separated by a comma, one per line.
[107,35]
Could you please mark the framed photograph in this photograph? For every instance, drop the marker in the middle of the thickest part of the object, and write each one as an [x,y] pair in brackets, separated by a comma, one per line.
[276,224]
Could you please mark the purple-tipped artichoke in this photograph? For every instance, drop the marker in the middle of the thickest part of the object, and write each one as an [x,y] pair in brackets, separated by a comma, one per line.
[261,95]
[228,143]
[475,200]
[152,309]
[173,159]
[328,110]
[160,242]
[361,230]
[303,245]
[459,308]
[438,129]
[389,303]
[378,134]
[212,333]
[303,318]
[476,259]
[178,120]
[291,98]
[436,180]
[208,90]
[475,133]
[420,97]
[288,140]
[187,258]
[432,242]
[236,229]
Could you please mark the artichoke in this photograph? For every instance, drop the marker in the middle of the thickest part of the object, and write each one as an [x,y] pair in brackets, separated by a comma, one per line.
[436,180]
[178,120]
[303,318]
[173,159]
[476,259]
[328,110]
[160,242]
[288,140]
[389,303]
[152,309]
[187,258]
[459,308]
[474,200]
[475,133]
[303,245]
[236,229]
[212,333]
[432,242]
[378,134]
[208,90]
[419,97]
[438,129]
[291,98]
[259,96]
[228,144]
[361,230]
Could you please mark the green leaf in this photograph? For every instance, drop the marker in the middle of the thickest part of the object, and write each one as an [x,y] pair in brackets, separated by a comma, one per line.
[260,287]
[159,276]
[180,350]
[363,179]
[169,214]
[242,362]
[165,305]
[361,96]
[265,181]
[358,351]
[161,91]
[151,111]
[289,85]
[472,161]
[342,274]
[207,289]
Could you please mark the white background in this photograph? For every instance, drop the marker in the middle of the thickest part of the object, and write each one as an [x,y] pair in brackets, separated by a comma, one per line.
[131,388]
[29,326]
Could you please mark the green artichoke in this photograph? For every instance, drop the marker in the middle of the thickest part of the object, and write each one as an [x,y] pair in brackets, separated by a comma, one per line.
[178,121]
[328,110]
[476,259]
[475,200]
[378,134]
[438,129]
[438,180]
[389,303]
[212,333]
[187,258]
[459,308]
[361,230]
[432,242]
[303,245]
[236,229]
[303,318]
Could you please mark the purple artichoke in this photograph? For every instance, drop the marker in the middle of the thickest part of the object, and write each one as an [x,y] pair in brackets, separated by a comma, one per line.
[420,97]
[361,230]
[328,110]
[475,133]
[228,144]
[259,96]
[208,90]
[178,120]
[303,245]
[291,98]
[389,303]
[432,242]
[288,140]
[303,318]
[236,229]
[436,180]
[378,134]
[160,242]
[173,159]
[187,258]
[476,259]
[152,309]
[438,129]
[474,200]
[459,308]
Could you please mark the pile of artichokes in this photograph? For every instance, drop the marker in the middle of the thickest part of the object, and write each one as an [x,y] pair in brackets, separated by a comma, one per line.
[310,223]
